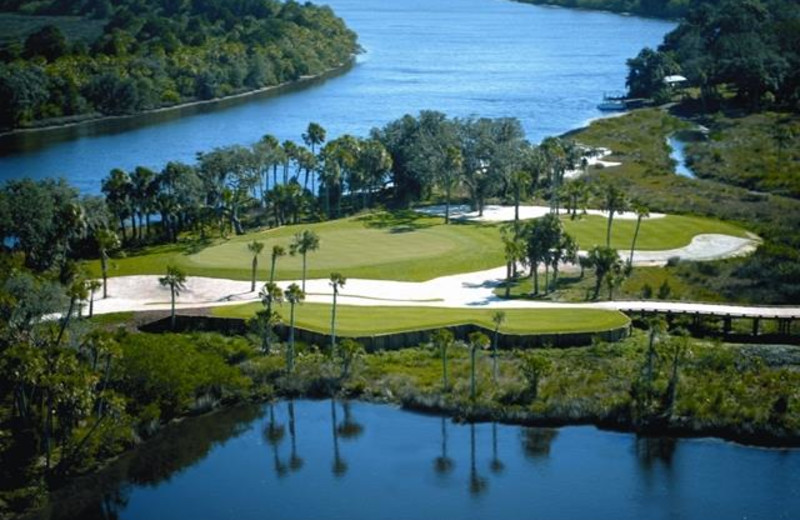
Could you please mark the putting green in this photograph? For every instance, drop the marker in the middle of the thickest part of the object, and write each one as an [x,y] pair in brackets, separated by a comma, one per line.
[402,246]
[360,321]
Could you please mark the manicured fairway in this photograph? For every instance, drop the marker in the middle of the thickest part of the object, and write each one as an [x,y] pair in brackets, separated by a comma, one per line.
[398,246]
[358,321]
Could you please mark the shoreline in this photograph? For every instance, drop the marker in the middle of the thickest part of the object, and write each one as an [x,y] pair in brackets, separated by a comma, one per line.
[89,119]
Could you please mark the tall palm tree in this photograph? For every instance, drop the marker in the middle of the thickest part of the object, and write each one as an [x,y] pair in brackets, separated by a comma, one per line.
[92,286]
[443,339]
[477,483]
[254,247]
[498,318]
[294,295]
[314,136]
[337,282]
[176,281]
[277,251]
[605,261]
[613,202]
[477,341]
[641,211]
[107,241]
[303,243]
[269,295]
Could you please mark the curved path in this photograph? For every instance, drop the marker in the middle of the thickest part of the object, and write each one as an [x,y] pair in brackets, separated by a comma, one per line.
[467,290]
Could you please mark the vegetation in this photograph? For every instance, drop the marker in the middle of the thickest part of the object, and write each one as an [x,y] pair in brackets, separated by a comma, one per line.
[758,152]
[747,47]
[366,321]
[152,54]
[639,142]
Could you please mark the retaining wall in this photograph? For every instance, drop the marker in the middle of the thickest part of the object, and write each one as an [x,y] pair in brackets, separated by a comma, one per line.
[390,341]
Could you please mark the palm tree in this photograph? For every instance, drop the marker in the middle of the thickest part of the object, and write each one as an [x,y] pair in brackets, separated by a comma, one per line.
[514,251]
[477,341]
[314,135]
[92,286]
[477,483]
[269,295]
[294,295]
[304,243]
[276,252]
[613,202]
[339,466]
[605,260]
[254,247]
[641,212]
[176,281]
[337,282]
[498,318]
[443,339]
[520,182]
[107,241]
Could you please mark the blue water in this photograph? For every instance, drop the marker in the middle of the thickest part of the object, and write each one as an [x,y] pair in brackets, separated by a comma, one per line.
[678,154]
[365,461]
[547,67]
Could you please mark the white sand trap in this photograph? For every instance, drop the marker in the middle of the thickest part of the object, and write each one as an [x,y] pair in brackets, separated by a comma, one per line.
[497,213]
[466,290]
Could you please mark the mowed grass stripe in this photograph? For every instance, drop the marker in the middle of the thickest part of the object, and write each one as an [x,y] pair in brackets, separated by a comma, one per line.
[397,246]
[354,320]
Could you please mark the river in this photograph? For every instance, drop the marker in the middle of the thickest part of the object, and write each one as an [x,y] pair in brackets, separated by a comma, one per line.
[339,460]
[546,66]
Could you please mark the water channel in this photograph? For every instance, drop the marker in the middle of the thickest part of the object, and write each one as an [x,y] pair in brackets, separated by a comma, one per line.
[548,67]
[331,460]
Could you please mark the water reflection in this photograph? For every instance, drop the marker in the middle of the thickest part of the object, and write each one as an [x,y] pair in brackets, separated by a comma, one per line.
[102,496]
[655,451]
[443,464]
[496,465]
[536,442]
[205,468]
[274,434]
[477,483]
[295,461]
[339,466]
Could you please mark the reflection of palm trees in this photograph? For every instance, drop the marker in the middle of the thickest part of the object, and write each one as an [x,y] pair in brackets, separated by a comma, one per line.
[496,464]
[536,442]
[295,462]
[274,434]
[477,484]
[339,467]
[349,429]
[443,464]
[655,449]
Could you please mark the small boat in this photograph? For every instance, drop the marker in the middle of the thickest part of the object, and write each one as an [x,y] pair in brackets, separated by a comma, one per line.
[612,102]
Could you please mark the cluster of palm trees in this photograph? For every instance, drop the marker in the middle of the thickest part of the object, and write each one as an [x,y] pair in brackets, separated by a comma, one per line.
[269,180]
[545,243]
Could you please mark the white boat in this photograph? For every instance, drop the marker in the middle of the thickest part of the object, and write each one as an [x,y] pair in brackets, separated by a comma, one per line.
[612,102]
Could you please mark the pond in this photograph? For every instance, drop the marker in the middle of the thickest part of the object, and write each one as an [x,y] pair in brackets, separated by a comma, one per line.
[353,460]
[490,58]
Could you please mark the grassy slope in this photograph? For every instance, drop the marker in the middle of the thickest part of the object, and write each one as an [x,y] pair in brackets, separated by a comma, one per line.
[758,152]
[360,321]
[399,246]
[638,140]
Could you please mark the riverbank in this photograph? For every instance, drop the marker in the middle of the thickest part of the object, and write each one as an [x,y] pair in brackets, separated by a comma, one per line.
[625,8]
[44,126]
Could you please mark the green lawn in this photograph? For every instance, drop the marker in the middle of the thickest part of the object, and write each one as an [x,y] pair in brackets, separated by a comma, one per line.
[359,321]
[396,246]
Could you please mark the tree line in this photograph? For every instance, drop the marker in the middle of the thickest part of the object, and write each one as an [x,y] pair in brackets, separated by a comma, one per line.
[750,47]
[155,53]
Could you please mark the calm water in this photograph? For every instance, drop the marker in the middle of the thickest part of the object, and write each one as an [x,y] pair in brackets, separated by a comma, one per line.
[548,67]
[318,459]
[678,154]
